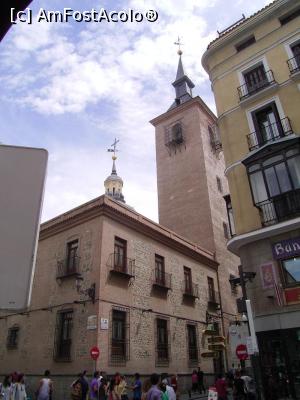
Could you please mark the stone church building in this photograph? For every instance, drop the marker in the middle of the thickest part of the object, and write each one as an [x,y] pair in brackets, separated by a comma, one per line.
[143,293]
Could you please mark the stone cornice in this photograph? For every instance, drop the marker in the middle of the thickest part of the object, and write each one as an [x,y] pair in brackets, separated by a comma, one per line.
[195,101]
[104,206]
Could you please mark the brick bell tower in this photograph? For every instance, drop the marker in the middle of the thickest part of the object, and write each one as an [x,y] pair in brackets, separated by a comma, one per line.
[182,146]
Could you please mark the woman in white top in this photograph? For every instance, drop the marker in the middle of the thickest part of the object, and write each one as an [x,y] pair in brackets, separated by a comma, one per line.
[18,390]
[6,388]
[44,391]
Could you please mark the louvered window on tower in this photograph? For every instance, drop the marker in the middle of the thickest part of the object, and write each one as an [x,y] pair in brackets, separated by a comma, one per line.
[214,138]
[174,135]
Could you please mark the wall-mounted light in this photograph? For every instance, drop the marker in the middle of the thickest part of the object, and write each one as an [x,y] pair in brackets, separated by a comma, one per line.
[90,292]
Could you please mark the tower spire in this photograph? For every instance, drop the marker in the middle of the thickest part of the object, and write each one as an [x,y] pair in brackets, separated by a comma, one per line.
[182,84]
[113,184]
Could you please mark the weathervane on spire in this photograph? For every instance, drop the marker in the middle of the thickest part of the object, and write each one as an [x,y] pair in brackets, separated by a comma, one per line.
[178,43]
[114,149]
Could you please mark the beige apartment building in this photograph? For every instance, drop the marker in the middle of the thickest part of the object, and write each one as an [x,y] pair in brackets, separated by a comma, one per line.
[254,68]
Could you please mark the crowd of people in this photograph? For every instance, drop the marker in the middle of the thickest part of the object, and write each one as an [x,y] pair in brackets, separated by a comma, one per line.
[236,385]
[100,387]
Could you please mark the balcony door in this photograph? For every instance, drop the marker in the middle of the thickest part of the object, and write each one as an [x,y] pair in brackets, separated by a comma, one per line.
[296,53]
[255,78]
[159,270]
[187,280]
[120,254]
[267,124]
[72,250]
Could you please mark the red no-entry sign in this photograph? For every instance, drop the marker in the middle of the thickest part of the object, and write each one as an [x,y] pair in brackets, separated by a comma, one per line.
[94,352]
[241,352]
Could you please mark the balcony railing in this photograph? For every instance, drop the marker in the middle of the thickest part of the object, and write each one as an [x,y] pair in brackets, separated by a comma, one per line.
[68,267]
[121,265]
[161,279]
[213,298]
[294,64]
[248,90]
[269,133]
[162,354]
[280,208]
[190,290]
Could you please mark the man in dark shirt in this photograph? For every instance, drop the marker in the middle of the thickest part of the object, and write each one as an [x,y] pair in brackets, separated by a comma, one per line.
[201,387]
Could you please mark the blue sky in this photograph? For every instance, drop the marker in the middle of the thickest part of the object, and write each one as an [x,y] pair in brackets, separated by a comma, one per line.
[73,87]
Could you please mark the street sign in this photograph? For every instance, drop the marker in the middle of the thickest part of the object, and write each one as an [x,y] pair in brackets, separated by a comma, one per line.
[22,176]
[241,352]
[95,352]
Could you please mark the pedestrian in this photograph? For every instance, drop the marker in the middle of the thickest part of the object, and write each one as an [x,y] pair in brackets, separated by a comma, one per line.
[249,387]
[121,388]
[174,383]
[76,391]
[164,394]
[154,393]
[94,386]
[112,393]
[238,387]
[146,386]
[201,387]
[137,387]
[102,392]
[171,392]
[194,381]
[84,385]
[221,387]
[19,390]
[6,390]
[44,391]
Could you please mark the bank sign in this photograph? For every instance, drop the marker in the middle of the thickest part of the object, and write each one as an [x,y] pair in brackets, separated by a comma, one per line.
[286,249]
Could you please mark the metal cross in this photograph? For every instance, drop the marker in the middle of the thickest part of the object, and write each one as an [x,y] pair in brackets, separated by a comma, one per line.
[114,145]
[178,43]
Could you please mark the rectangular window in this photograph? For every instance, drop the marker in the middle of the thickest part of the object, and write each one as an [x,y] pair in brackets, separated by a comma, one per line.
[245,43]
[192,343]
[211,289]
[219,184]
[120,254]
[255,78]
[72,255]
[162,345]
[289,17]
[226,231]
[12,337]
[64,326]
[187,280]
[119,336]
[229,209]
[291,271]
[159,270]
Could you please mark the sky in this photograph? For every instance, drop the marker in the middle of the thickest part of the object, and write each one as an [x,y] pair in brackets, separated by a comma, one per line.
[73,87]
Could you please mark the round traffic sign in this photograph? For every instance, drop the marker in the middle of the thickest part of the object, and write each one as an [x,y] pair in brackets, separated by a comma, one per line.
[94,352]
[241,352]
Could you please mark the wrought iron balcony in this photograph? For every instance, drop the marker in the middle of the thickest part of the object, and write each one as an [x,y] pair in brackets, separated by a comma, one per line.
[161,279]
[280,208]
[213,298]
[68,267]
[294,64]
[120,265]
[190,290]
[248,90]
[269,133]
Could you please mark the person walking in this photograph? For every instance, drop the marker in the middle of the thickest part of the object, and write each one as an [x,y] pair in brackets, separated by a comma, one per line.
[194,381]
[154,393]
[6,390]
[201,387]
[137,387]
[44,391]
[164,394]
[76,391]
[171,392]
[221,387]
[112,392]
[146,386]
[84,385]
[121,388]
[238,387]
[19,390]
[103,387]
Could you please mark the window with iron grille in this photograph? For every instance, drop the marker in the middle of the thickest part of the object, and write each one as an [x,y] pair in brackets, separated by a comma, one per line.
[119,340]
[12,337]
[192,343]
[64,327]
[187,279]
[120,254]
[159,270]
[72,254]
[162,340]
[211,289]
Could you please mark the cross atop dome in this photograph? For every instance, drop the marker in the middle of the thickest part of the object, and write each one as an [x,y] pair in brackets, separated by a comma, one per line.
[113,184]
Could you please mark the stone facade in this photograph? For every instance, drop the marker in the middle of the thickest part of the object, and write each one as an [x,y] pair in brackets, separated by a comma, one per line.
[96,225]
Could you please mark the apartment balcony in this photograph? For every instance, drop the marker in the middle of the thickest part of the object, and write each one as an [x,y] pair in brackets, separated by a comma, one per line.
[248,90]
[294,66]
[68,267]
[121,266]
[161,280]
[280,208]
[213,299]
[269,133]
[190,291]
